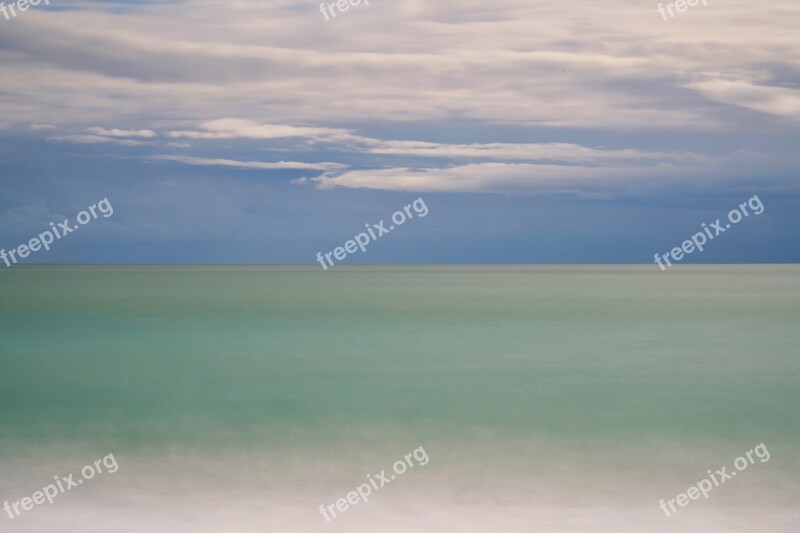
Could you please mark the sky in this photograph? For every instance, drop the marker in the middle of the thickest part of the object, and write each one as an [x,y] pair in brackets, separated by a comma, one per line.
[250,132]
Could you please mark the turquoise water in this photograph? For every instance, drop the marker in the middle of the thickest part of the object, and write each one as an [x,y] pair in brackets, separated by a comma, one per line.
[549,398]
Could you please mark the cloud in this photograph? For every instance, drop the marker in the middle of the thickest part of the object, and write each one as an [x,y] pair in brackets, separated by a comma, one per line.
[780,101]
[600,180]
[454,82]
[93,139]
[527,168]
[346,140]
[103,136]
[42,127]
[233,128]
[503,177]
[203,161]
[122,133]
[565,152]
[613,64]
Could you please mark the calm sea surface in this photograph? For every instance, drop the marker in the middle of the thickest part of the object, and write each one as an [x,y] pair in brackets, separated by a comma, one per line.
[548,398]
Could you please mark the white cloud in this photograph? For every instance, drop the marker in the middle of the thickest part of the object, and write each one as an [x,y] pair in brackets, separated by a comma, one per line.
[565,152]
[606,179]
[780,101]
[346,140]
[574,72]
[234,128]
[607,64]
[505,177]
[93,139]
[122,133]
[204,161]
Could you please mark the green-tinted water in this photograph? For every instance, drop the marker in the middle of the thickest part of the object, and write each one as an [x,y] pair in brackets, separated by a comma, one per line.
[577,386]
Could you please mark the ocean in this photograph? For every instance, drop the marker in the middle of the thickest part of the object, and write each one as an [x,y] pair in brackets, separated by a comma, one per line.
[547,398]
